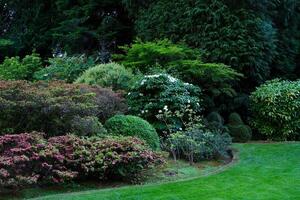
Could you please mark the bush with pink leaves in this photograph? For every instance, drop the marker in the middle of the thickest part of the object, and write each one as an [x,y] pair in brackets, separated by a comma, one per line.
[30,159]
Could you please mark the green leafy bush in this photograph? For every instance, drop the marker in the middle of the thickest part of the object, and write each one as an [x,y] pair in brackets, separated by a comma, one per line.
[30,159]
[55,107]
[237,129]
[144,55]
[155,94]
[275,108]
[15,68]
[65,68]
[181,61]
[110,75]
[225,31]
[128,125]
[215,122]
[197,144]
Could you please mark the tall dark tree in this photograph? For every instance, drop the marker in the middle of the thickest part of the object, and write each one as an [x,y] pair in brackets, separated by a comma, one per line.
[256,37]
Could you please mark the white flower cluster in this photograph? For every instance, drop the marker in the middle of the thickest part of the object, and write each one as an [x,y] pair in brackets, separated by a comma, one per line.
[170,78]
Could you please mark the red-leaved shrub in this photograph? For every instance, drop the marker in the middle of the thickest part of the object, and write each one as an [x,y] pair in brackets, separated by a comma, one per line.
[51,107]
[30,159]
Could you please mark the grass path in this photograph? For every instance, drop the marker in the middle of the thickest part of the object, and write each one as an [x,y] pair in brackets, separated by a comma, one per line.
[264,171]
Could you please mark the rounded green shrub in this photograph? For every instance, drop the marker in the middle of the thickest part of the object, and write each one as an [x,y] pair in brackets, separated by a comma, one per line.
[275,108]
[235,119]
[108,75]
[239,131]
[214,121]
[128,125]
[215,117]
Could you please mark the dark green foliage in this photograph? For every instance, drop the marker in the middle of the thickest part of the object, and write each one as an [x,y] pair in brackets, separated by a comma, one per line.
[128,125]
[65,68]
[110,75]
[255,38]
[55,108]
[215,122]
[73,26]
[237,129]
[275,108]
[15,68]
[87,126]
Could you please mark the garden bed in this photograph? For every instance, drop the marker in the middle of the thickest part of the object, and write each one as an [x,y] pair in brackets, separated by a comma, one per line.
[171,171]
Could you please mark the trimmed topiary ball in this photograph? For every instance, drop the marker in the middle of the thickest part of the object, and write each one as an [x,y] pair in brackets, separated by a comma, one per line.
[235,119]
[110,75]
[128,125]
[239,131]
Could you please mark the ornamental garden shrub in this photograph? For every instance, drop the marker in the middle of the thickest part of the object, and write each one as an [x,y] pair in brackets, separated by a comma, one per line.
[154,94]
[275,108]
[239,131]
[56,108]
[142,56]
[67,68]
[215,79]
[15,68]
[128,125]
[214,121]
[197,141]
[110,75]
[30,159]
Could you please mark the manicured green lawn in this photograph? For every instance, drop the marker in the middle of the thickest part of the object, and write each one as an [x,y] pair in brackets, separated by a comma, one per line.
[264,171]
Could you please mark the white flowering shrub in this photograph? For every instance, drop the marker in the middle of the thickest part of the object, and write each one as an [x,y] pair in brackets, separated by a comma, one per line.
[156,94]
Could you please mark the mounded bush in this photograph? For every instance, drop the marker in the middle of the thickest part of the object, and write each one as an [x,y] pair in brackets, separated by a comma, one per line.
[128,125]
[55,108]
[214,121]
[160,93]
[237,129]
[110,75]
[15,68]
[275,108]
[65,68]
[197,144]
[29,159]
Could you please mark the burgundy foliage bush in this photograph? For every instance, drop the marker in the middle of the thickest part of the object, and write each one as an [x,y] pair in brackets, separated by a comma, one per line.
[50,107]
[30,159]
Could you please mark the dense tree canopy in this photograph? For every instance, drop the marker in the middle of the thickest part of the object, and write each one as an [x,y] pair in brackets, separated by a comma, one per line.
[259,38]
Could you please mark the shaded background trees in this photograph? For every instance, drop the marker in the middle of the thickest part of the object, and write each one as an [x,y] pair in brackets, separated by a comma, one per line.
[258,38]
